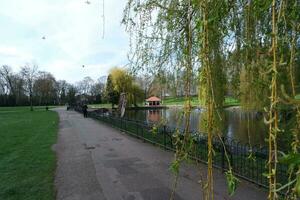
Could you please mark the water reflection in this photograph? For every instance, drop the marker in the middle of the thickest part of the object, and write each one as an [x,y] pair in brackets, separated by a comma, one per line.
[153,116]
[241,126]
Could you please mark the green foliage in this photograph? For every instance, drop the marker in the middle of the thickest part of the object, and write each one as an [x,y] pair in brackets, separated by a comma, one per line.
[71,95]
[137,94]
[121,81]
[297,186]
[174,167]
[154,129]
[245,48]
[111,94]
[291,159]
[232,182]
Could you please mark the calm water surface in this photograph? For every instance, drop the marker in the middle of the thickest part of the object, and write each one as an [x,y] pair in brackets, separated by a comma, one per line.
[238,125]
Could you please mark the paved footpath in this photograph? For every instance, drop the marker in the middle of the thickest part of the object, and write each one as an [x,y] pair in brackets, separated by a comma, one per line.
[97,162]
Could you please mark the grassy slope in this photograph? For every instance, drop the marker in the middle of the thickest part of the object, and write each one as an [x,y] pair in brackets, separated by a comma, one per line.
[27,162]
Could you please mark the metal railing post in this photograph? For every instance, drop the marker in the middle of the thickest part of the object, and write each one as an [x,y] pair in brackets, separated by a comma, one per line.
[165,137]
[137,129]
[223,155]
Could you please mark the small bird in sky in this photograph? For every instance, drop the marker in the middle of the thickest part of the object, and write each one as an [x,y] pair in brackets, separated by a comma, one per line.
[44,38]
[88,2]
[83,66]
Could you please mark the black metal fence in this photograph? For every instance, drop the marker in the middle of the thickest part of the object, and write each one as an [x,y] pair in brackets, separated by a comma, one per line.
[247,162]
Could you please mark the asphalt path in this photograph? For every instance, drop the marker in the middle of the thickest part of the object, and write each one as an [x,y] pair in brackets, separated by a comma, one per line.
[97,162]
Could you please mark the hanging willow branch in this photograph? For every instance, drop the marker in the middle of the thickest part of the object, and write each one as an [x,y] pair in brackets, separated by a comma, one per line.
[273,112]
[228,44]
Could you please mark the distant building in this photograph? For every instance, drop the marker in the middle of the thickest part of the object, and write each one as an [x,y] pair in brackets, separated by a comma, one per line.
[153,101]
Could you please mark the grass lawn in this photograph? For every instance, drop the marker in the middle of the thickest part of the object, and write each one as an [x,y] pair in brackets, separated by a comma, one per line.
[27,163]
[24,108]
[229,101]
[179,101]
[104,105]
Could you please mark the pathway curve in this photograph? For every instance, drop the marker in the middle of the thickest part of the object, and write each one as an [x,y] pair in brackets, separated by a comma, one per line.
[97,162]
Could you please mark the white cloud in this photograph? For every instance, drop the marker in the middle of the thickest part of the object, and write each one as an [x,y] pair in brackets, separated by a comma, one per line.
[14,57]
[9,51]
[73,31]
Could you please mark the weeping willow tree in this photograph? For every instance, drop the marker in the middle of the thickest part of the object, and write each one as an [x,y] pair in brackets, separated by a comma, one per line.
[214,15]
[253,43]
[285,44]
[164,37]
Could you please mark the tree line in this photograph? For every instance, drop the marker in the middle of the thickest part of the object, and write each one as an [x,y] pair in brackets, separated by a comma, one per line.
[30,86]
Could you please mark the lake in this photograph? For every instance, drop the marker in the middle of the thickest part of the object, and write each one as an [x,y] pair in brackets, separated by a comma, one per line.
[245,127]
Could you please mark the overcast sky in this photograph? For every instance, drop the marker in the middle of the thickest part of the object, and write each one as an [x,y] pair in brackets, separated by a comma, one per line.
[73,36]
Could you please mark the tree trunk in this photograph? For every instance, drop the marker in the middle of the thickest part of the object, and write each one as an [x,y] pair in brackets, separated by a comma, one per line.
[31,104]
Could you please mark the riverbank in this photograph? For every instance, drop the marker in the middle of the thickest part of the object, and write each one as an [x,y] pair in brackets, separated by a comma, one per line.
[175,102]
[229,102]
[179,101]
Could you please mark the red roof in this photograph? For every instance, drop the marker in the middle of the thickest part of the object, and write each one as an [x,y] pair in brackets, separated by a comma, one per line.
[154,98]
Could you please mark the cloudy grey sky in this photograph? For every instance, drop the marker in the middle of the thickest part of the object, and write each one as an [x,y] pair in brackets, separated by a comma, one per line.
[73,32]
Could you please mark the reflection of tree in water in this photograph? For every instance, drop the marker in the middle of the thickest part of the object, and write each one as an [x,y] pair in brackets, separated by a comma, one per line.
[235,123]
[139,115]
[241,125]
[154,115]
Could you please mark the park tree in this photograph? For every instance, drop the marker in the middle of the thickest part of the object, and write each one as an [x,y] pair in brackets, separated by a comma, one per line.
[2,86]
[71,94]
[30,87]
[145,80]
[8,81]
[13,87]
[111,94]
[252,44]
[137,94]
[97,91]
[29,74]
[85,86]
[171,41]
[124,82]
[20,90]
[45,89]
[61,89]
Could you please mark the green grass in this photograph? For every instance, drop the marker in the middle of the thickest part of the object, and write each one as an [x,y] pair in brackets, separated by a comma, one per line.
[104,105]
[24,108]
[229,101]
[27,163]
[175,101]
